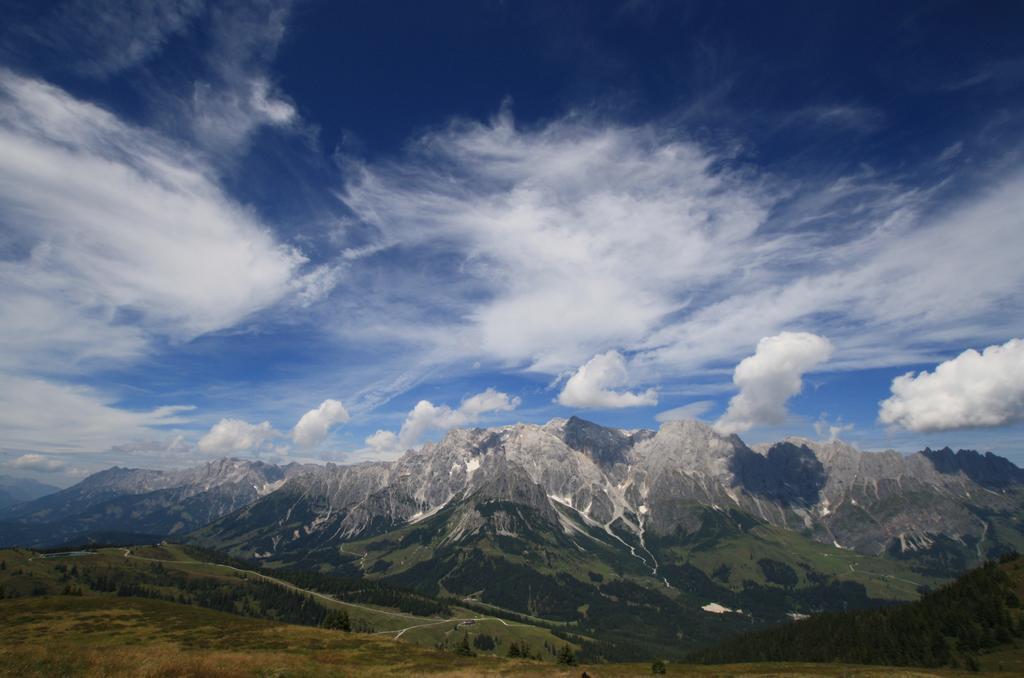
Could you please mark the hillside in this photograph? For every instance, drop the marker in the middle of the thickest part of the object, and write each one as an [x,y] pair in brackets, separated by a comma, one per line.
[139,502]
[17,490]
[976,622]
[106,634]
[173,575]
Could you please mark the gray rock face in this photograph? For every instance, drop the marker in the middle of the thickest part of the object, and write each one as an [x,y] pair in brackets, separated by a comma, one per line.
[658,484]
[629,485]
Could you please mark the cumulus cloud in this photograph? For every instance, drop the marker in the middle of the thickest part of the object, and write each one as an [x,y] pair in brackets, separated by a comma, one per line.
[770,377]
[383,442]
[692,410]
[426,415]
[38,462]
[229,436]
[830,431]
[591,386]
[126,236]
[312,428]
[971,390]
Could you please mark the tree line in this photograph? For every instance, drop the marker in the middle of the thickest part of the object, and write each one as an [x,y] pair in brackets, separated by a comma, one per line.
[355,590]
[947,627]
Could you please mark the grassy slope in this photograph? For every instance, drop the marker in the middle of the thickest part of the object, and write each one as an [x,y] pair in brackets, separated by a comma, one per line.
[95,635]
[107,635]
[740,552]
[387,623]
[102,635]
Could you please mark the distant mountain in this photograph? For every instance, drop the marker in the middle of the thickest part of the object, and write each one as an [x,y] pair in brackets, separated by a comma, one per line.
[18,490]
[940,509]
[141,502]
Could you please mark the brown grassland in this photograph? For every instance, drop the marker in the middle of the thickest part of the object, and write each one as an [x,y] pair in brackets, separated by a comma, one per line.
[107,636]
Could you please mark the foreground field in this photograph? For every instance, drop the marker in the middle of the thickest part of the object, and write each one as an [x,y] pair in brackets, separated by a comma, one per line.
[58,618]
[104,636]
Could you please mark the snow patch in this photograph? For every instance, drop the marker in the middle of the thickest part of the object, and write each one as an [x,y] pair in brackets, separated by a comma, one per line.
[715,608]
[643,510]
[471,466]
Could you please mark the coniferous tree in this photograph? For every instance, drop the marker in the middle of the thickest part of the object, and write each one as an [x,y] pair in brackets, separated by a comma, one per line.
[337,620]
[463,649]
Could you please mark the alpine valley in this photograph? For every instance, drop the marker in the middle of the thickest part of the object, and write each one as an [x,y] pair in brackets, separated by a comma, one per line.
[636,542]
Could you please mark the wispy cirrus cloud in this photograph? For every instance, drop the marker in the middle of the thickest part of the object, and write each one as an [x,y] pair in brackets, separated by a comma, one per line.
[47,417]
[580,236]
[238,95]
[116,235]
[115,238]
[101,38]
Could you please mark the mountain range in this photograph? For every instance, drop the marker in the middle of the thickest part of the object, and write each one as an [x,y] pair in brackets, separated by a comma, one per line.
[18,490]
[663,539]
[119,502]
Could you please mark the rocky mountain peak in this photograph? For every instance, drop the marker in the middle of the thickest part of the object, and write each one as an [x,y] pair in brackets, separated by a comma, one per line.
[987,469]
[606,446]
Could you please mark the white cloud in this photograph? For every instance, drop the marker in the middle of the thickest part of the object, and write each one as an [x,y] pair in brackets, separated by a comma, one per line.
[383,443]
[229,436]
[48,417]
[830,431]
[176,446]
[971,390]
[770,377]
[591,386]
[239,97]
[577,237]
[38,462]
[126,236]
[312,428]
[103,37]
[426,415]
[549,272]
[692,410]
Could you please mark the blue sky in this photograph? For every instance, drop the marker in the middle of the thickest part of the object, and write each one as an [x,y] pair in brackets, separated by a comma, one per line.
[383,219]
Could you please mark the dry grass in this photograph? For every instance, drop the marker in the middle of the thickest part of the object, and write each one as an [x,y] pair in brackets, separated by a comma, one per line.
[107,636]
